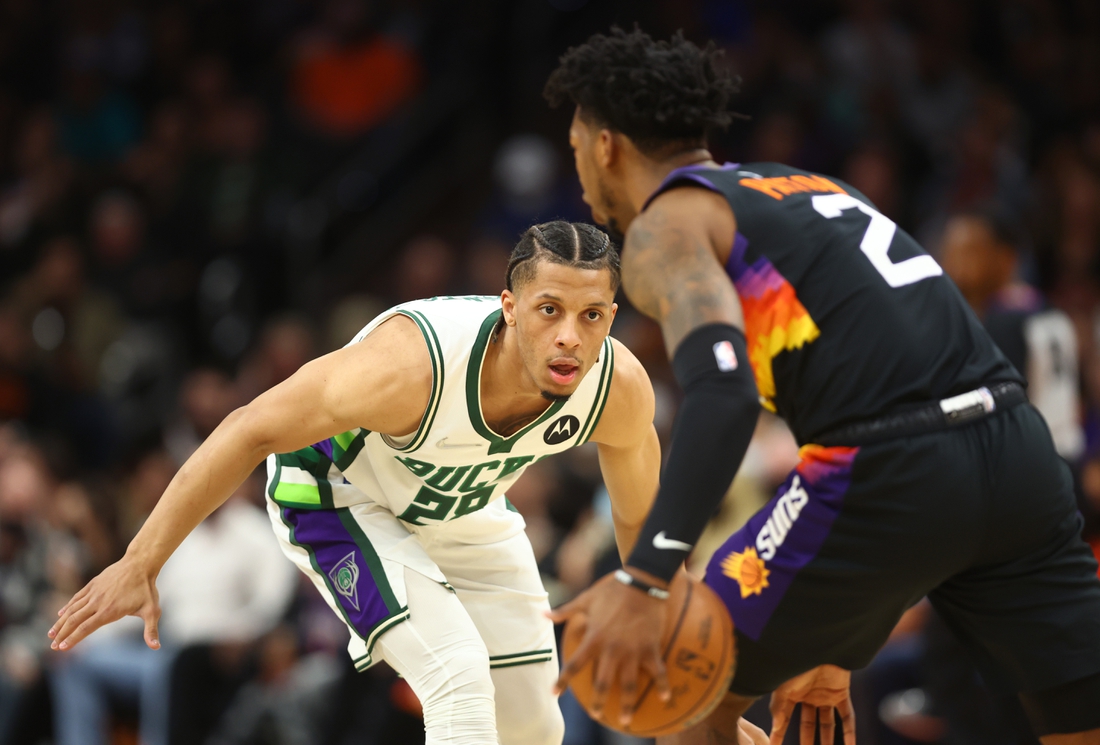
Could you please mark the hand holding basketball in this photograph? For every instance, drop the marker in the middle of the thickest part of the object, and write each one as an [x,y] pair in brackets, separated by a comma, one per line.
[660,665]
[621,630]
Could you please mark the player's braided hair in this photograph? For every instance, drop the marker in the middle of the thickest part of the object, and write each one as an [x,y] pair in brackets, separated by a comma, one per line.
[574,244]
[661,94]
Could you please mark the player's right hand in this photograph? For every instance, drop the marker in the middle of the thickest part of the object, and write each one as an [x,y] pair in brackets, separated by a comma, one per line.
[122,589]
[622,638]
[820,691]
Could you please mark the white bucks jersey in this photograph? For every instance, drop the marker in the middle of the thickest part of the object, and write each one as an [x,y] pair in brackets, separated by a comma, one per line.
[453,464]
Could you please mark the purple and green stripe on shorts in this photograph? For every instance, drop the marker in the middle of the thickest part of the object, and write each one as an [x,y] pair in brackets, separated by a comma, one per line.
[341,553]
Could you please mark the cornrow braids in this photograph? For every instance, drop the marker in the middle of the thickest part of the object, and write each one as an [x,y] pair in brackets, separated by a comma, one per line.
[578,245]
[661,94]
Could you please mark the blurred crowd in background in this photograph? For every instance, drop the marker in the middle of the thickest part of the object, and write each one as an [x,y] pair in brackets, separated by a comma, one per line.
[198,197]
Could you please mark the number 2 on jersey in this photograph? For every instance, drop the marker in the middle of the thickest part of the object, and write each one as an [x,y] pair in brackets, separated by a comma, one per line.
[876,241]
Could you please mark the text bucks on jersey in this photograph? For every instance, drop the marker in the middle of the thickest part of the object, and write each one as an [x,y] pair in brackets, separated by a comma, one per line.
[454,464]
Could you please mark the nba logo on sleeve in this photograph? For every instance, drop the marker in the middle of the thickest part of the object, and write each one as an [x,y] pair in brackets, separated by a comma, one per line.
[725,356]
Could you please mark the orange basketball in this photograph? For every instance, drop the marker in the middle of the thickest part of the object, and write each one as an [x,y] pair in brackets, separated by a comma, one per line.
[699,656]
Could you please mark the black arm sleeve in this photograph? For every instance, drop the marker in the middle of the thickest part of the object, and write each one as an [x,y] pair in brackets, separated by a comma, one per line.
[712,431]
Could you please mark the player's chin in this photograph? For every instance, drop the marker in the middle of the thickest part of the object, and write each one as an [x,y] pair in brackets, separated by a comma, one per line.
[553,391]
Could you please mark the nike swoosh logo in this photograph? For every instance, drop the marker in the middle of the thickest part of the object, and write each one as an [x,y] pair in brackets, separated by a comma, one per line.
[659,541]
[448,445]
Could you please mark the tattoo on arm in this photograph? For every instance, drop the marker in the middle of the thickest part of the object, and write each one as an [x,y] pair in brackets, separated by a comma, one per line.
[670,273]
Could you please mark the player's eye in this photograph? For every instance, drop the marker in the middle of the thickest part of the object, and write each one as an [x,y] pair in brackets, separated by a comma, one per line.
[594,315]
[547,310]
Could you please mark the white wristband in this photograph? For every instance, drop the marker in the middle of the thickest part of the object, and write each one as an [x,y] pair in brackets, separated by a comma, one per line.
[630,580]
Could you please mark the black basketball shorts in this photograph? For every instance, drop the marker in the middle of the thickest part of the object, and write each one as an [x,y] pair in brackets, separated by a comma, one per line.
[981,519]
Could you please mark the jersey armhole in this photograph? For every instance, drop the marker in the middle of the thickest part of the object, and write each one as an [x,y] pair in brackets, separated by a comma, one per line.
[602,390]
[435,352]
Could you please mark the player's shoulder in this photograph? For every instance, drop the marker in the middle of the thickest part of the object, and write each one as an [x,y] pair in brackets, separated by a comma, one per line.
[458,308]
[628,372]
[779,181]
[450,319]
[398,339]
[630,400]
[679,212]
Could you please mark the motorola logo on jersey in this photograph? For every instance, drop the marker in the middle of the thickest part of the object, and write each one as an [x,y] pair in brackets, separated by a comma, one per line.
[561,430]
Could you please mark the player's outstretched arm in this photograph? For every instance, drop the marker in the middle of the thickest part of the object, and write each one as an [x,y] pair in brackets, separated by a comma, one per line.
[381,384]
[630,453]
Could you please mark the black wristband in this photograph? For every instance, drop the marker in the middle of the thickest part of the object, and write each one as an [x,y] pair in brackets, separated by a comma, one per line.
[712,431]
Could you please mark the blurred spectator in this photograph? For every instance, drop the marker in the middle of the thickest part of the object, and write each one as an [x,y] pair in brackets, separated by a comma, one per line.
[98,124]
[141,488]
[37,186]
[15,345]
[149,281]
[285,702]
[425,268]
[155,166]
[222,590]
[85,321]
[530,188]
[486,266]
[51,541]
[873,169]
[347,77]
[207,396]
[348,318]
[981,253]
[232,177]
[285,344]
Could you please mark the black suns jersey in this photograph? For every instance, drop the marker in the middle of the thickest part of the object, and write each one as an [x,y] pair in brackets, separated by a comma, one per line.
[846,316]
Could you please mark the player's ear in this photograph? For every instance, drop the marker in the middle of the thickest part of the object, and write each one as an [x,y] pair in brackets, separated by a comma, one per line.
[508,306]
[614,310]
[606,148]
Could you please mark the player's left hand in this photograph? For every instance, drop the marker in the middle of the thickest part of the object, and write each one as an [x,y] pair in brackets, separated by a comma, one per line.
[622,636]
[819,691]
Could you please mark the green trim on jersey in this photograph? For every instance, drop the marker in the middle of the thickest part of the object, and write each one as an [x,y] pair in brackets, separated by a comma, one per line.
[346,446]
[307,496]
[435,352]
[602,390]
[521,658]
[497,444]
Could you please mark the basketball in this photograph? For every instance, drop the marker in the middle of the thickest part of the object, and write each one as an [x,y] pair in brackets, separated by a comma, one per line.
[699,655]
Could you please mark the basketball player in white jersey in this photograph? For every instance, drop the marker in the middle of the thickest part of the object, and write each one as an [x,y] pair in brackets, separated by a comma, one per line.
[388,462]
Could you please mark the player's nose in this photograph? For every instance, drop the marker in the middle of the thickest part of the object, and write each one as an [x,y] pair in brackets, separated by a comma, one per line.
[568,336]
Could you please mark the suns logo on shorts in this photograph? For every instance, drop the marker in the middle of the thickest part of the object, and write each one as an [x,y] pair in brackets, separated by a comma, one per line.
[747,570]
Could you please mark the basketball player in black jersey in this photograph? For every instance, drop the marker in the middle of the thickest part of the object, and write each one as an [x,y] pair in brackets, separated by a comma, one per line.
[923,470]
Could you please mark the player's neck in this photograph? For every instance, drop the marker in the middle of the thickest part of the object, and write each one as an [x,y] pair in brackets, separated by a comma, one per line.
[644,175]
[508,395]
